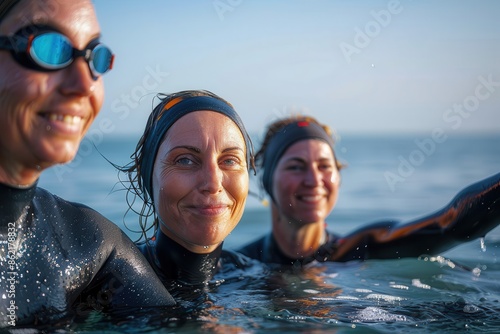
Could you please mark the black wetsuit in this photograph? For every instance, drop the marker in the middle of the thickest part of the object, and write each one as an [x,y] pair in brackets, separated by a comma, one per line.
[175,264]
[267,250]
[60,259]
[171,261]
[470,215]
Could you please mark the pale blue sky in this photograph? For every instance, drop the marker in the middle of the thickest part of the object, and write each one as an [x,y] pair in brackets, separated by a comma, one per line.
[359,66]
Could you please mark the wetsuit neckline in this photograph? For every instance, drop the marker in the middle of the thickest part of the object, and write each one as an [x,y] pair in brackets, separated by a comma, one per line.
[13,202]
[322,254]
[176,262]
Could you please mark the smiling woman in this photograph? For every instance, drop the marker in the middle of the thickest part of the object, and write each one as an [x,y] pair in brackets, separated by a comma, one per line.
[41,120]
[190,170]
[57,258]
[200,180]
[302,176]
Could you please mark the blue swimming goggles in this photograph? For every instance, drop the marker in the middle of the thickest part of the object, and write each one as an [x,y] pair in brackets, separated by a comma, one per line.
[45,49]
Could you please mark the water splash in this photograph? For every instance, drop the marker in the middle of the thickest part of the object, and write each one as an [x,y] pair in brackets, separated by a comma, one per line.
[483,246]
[470,308]
[375,314]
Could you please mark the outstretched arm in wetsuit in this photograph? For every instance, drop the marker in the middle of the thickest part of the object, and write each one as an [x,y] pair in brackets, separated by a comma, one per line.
[471,214]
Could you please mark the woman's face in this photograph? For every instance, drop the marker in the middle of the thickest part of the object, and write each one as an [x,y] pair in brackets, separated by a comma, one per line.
[200,180]
[44,115]
[306,182]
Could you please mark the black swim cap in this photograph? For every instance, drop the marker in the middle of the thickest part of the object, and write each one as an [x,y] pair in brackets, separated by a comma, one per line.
[282,140]
[170,111]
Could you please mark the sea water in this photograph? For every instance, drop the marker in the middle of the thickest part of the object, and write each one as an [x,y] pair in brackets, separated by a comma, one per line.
[391,177]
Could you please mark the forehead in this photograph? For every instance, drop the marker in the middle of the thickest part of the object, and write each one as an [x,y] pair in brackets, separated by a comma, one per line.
[199,127]
[76,19]
[309,149]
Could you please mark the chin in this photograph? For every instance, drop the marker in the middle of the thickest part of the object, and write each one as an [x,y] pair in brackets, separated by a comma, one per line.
[311,219]
[65,158]
[207,242]
[63,153]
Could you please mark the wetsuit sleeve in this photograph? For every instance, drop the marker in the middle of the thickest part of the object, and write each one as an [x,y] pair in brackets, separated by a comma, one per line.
[471,214]
[124,278]
[128,280]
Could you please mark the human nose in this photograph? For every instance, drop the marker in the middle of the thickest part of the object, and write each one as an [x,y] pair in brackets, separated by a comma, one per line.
[78,79]
[312,177]
[211,178]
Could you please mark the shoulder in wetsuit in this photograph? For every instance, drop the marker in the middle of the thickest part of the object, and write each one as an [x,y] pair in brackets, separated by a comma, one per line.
[470,215]
[174,263]
[59,258]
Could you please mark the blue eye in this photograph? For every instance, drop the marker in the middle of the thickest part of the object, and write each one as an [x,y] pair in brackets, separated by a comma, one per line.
[325,166]
[233,161]
[184,161]
[295,167]
[230,162]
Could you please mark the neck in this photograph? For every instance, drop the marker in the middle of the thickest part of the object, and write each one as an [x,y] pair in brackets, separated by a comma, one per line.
[17,175]
[297,240]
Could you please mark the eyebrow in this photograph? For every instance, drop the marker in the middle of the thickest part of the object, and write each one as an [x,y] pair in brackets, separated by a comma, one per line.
[302,160]
[197,150]
[294,159]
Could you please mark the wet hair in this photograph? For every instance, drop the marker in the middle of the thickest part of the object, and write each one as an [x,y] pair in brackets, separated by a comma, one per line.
[6,6]
[281,134]
[171,108]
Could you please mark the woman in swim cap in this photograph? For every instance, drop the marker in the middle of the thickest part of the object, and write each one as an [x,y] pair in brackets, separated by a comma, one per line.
[190,169]
[57,258]
[301,175]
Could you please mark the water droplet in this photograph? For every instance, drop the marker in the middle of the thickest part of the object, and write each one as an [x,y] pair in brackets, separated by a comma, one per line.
[205,247]
[483,246]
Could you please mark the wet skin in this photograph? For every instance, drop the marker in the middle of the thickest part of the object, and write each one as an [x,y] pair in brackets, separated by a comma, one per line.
[305,188]
[46,114]
[57,258]
[200,180]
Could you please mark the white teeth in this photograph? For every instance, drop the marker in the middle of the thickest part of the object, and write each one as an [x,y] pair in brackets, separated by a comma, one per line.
[72,119]
[67,119]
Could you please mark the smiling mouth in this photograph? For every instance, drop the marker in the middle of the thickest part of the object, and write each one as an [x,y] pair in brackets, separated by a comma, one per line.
[66,119]
[311,198]
[211,210]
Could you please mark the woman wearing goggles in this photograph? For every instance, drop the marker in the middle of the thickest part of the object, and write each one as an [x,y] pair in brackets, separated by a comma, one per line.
[57,258]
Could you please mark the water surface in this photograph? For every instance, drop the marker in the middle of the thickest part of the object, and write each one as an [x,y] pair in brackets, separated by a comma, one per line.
[457,291]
